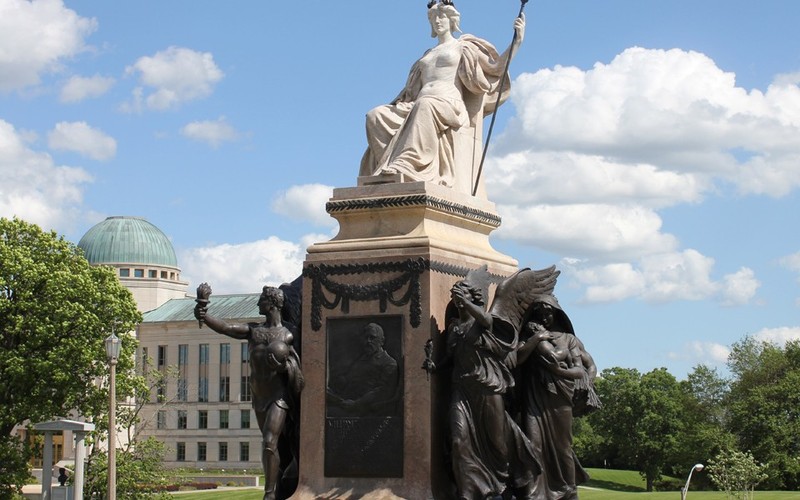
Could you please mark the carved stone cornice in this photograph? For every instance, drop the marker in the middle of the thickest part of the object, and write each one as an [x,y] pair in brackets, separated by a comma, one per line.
[414,200]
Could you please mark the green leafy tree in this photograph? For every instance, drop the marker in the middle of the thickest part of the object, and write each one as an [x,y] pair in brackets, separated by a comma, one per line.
[640,420]
[764,406]
[703,433]
[140,472]
[55,312]
[736,473]
[588,443]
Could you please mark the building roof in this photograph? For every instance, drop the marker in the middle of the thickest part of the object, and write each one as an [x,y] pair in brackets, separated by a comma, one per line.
[127,240]
[64,424]
[238,306]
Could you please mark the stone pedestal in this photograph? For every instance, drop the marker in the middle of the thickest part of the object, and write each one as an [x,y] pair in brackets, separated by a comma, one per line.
[399,250]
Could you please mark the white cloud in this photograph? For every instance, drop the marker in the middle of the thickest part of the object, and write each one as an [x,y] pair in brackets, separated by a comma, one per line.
[213,133]
[587,230]
[670,276]
[82,139]
[243,268]
[175,75]
[33,188]
[779,335]
[672,109]
[791,262]
[592,157]
[305,203]
[79,88]
[36,37]
[740,287]
[548,177]
[702,353]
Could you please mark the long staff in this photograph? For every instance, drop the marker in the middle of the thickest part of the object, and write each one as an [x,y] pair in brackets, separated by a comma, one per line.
[497,104]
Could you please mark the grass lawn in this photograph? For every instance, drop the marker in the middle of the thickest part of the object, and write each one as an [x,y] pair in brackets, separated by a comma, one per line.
[673,495]
[585,494]
[606,484]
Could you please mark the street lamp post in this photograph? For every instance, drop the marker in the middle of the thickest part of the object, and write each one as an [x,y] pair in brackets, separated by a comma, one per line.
[685,489]
[113,345]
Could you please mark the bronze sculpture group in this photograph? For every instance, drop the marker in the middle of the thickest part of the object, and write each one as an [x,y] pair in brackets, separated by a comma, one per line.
[519,375]
[517,372]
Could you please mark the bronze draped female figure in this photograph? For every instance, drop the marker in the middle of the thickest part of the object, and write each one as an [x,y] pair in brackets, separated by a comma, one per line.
[556,383]
[489,451]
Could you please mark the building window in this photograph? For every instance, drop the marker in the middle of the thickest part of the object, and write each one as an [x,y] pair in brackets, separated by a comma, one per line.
[201,452]
[161,386]
[163,275]
[181,452]
[172,276]
[224,388]
[202,381]
[223,452]
[181,419]
[202,419]
[224,372]
[183,361]
[223,419]
[161,419]
[244,452]
[162,357]
[124,273]
[244,388]
[152,273]
[138,273]
[245,423]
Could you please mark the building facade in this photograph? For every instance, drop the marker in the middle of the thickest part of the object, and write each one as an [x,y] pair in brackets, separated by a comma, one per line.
[200,411]
[203,410]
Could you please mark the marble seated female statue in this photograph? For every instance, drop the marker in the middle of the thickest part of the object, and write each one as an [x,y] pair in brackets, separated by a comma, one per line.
[432,131]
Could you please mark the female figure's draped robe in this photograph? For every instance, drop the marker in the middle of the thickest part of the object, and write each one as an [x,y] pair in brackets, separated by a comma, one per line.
[489,450]
[415,135]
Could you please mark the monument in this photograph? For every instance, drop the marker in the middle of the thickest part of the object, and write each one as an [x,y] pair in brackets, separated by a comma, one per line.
[417,223]
[414,388]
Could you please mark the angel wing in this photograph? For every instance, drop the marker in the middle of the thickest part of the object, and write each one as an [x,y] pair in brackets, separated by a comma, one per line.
[514,296]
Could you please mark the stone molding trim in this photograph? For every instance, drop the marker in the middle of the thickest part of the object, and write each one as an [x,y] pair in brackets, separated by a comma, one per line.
[461,271]
[385,292]
[417,200]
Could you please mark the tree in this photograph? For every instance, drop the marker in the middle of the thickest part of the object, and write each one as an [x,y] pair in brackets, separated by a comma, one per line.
[764,406]
[55,312]
[640,419]
[140,472]
[703,433]
[736,473]
[587,443]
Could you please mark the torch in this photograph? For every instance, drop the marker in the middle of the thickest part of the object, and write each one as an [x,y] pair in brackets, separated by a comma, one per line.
[203,293]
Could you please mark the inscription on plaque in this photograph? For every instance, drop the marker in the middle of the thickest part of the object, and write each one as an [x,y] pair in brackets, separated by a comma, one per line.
[364,397]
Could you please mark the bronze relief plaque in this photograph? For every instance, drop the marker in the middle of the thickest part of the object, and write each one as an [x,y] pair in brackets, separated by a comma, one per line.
[364,397]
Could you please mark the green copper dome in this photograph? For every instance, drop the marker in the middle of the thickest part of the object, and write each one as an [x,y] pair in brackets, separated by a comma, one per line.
[127,240]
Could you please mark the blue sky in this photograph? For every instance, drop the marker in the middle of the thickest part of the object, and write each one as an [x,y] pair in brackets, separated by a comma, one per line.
[650,149]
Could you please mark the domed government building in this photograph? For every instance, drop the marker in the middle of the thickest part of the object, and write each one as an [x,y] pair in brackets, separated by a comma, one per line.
[204,411]
[143,256]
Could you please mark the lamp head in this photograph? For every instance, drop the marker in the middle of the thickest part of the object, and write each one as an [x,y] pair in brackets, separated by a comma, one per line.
[113,344]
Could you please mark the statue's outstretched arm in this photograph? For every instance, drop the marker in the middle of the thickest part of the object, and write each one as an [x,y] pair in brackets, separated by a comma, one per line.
[239,332]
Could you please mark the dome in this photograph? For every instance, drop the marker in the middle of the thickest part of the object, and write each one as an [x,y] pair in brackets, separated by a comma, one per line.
[127,240]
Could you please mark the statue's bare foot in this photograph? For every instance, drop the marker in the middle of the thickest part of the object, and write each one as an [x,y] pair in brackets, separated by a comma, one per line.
[388,170]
